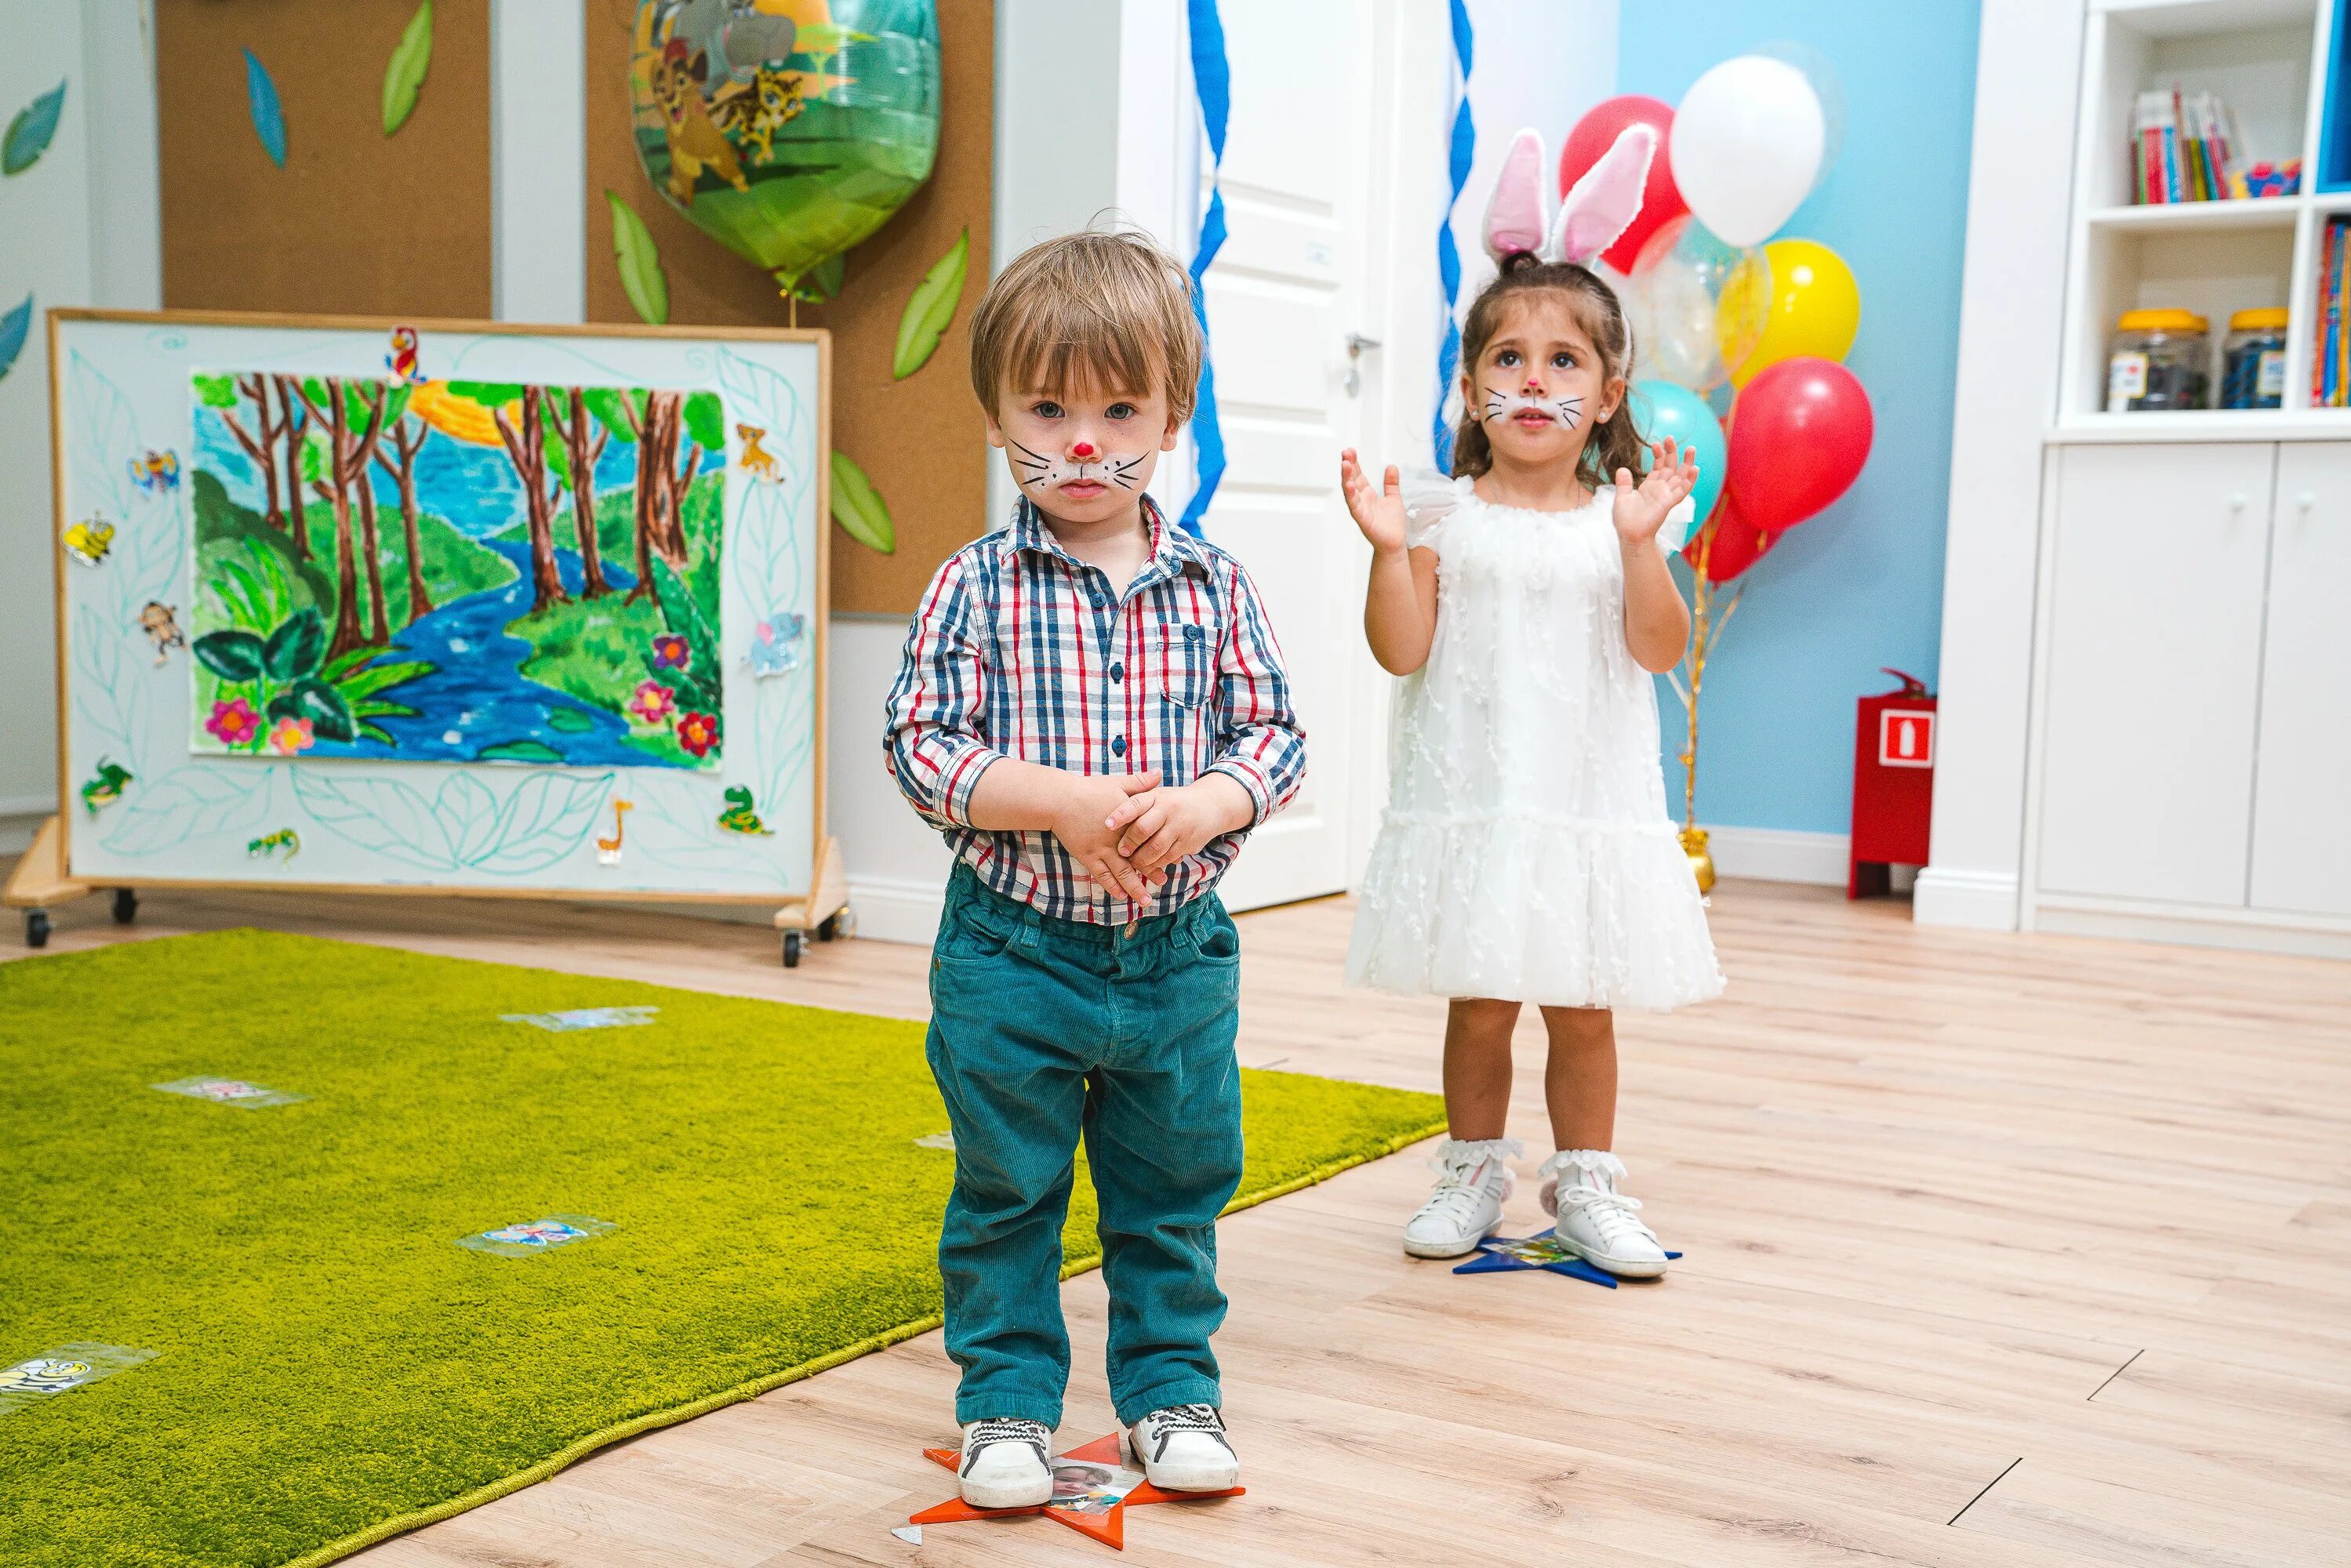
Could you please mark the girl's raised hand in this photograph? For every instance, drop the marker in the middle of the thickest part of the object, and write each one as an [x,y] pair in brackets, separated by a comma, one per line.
[1379,513]
[1641,509]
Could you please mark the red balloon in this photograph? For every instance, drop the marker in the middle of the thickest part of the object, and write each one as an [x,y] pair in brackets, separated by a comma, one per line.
[1799,435]
[1738,544]
[1661,199]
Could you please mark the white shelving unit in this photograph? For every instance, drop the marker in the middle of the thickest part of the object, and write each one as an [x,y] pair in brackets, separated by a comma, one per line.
[2266,57]
[2189,745]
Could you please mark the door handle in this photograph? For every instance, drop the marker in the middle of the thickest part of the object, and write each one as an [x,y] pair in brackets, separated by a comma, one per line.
[1356,344]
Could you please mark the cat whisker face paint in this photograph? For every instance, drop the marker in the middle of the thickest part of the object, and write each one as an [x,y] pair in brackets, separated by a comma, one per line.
[1086,466]
[1565,412]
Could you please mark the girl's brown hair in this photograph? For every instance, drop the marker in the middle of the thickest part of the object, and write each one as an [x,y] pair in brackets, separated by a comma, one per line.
[1612,444]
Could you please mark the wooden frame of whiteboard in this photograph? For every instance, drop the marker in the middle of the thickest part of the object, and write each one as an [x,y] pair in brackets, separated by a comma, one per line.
[820,851]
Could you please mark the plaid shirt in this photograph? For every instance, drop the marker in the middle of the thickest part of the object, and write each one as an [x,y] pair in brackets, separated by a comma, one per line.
[1021,650]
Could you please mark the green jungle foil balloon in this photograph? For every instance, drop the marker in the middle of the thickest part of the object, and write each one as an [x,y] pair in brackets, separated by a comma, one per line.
[786,129]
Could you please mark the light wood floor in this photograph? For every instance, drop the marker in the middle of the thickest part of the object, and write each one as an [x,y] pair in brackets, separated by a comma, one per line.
[2001,1251]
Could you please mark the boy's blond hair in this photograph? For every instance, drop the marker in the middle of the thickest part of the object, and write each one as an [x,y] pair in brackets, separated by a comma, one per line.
[1101,309]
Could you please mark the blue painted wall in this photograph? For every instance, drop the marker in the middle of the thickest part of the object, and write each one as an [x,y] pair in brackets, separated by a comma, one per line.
[1861,585]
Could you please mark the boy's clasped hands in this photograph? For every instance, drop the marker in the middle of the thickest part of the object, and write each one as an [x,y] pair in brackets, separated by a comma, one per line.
[1126,830]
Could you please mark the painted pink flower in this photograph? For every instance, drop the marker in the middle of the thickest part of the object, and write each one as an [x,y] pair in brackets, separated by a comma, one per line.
[698,732]
[234,723]
[291,736]
[670,652]
[652,703]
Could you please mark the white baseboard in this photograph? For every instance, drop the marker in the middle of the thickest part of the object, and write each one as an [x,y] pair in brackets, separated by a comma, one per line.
[1779,854]
[1978,900]
[897,908]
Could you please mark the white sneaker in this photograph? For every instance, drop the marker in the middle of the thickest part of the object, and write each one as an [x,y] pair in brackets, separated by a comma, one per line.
[1183,1448]
[1595,1221]
[1005,1464]
[1473,1182]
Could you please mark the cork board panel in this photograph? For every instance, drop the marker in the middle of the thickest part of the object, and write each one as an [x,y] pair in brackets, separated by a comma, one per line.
[921,440]
[357,223]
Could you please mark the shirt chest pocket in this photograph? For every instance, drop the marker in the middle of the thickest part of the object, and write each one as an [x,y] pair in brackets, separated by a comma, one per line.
[1184,661]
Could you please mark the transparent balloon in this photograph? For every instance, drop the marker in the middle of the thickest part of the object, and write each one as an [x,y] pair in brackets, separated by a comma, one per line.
[1827,87]
[1697,306]
[787,142]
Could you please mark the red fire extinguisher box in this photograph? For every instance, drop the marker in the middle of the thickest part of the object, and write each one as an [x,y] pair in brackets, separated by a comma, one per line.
[1892,784]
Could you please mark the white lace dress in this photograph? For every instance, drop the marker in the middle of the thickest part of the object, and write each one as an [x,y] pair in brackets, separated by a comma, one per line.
[1526,853]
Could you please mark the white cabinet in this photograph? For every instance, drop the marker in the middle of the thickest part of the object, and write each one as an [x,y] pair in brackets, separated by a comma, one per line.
[2154,670]
[2302,792]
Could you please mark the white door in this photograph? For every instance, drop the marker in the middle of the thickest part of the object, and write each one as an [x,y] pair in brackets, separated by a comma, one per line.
[2302,842]
[1283,294]
[2155,671]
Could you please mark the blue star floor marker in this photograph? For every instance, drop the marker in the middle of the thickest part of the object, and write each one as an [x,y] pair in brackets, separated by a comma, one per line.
[1502,1255]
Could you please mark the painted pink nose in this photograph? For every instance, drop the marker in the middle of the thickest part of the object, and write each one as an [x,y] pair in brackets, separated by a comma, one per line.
[1083,450]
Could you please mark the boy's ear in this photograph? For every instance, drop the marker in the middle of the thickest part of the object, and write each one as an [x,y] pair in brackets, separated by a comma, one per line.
[1174,434]
[994,431]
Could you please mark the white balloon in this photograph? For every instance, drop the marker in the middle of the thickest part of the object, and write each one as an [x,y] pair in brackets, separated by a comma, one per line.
[1746,144]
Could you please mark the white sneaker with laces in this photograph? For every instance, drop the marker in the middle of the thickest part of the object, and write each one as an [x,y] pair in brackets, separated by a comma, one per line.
[1005,1463]
[1184,1448]
[1473,1182]
[1595,1221]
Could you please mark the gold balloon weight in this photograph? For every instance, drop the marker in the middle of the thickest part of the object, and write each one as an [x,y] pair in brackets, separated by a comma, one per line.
[1701,862]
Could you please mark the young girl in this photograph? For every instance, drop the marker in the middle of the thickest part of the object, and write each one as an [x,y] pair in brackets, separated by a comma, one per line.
[1526,854]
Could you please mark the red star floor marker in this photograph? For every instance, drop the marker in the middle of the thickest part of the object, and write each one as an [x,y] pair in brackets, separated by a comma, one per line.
[1107,1525]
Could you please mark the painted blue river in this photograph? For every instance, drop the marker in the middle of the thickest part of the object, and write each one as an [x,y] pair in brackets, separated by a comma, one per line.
[478,699]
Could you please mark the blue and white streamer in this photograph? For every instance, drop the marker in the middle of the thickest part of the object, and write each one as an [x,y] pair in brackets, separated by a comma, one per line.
[1212,82]
[1449,255]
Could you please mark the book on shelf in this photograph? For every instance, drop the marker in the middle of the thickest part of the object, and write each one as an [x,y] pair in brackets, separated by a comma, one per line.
[2330,373]
[2188,147]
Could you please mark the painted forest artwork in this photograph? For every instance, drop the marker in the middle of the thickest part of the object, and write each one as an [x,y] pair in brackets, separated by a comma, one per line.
[431,571]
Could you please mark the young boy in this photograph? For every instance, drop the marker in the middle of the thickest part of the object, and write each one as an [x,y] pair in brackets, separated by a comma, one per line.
[1092,711]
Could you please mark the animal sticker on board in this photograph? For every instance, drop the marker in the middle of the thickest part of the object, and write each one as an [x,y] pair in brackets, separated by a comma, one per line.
[88,541]
[607,851]
[161,622]
[284,839]
[738,816]
[757,460]
[776,647]
[104,787]
[402,361]
[157,472]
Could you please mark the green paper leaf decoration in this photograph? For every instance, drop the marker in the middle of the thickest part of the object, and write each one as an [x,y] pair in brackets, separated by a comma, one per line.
[410,60]
[261,103]
[641,269]
[14,328]
[29,134]
[858,507]
[930,309]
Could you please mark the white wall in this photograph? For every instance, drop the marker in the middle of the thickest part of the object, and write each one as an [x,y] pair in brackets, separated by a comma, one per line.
[81,227]
[2010,318]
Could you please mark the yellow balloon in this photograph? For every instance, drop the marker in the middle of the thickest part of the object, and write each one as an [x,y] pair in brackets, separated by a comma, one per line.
[1816,307]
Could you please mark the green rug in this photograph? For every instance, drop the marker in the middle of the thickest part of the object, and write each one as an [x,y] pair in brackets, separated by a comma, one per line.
[331,1367]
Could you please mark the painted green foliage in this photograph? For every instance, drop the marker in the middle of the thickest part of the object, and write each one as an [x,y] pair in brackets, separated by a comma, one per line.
[411,59]
[30,131]
[930,309]
[858,507]
[641,277]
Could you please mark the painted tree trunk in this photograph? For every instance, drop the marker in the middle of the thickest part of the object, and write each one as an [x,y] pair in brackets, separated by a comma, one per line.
[583,456]
[348,635]
[290,430]
[527,449]
[420,600]
[378,628]
[262,450]
[657,476]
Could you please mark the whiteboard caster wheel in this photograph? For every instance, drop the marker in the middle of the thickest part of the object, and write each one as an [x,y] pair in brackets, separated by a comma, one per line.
[126,905]
[792,941]
[830,929]
[36,928]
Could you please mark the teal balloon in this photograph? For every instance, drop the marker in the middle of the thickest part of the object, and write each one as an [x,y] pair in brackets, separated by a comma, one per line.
[1663,410]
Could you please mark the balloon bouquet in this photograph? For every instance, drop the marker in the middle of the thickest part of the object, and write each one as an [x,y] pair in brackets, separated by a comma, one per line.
[1713,307]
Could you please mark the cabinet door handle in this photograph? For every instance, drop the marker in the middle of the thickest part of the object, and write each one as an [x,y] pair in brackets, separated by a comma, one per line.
[2237,502]
[2306,500]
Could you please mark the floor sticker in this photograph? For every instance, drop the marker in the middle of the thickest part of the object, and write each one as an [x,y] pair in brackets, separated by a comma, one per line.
[231,1092]
[912,1534]
[937,1140]
[1502,1255]
[62,1370]
[534,1236]
[584,1018]
[1092,1489]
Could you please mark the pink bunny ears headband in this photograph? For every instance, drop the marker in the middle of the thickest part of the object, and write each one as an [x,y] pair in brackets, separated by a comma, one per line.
[1599,208]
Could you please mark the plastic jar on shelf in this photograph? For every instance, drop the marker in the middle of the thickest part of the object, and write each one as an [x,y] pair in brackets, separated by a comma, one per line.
[2252,359]
[2160,360]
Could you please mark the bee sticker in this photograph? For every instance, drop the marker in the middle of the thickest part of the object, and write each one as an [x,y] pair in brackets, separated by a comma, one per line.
[89,542]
